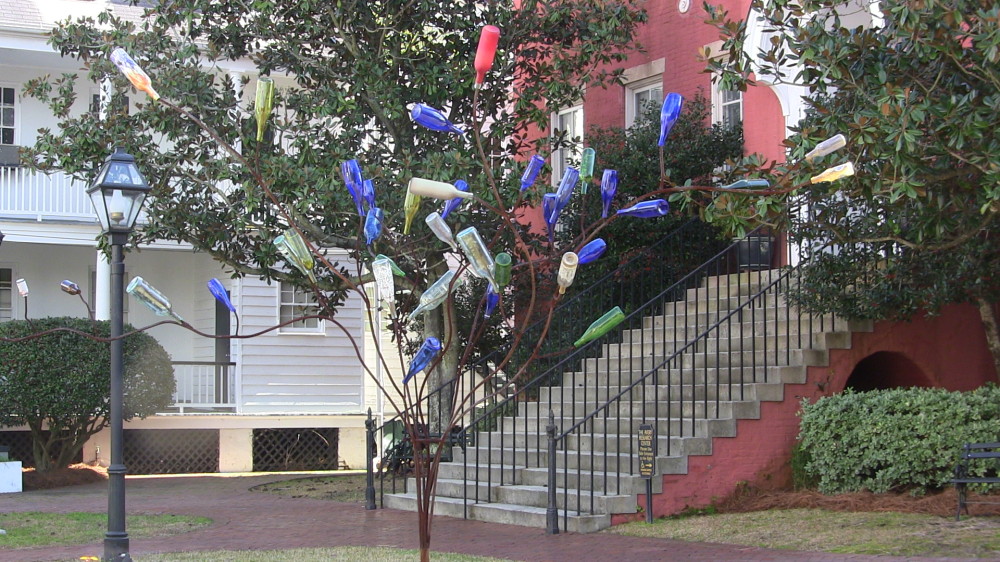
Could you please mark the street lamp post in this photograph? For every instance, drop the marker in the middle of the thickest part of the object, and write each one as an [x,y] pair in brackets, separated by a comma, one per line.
[118,194]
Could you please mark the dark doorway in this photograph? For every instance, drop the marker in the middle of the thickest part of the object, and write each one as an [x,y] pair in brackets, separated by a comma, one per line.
[887,369]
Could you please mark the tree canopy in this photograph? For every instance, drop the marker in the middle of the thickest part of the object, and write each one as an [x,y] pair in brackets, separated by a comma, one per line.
[913,86]
[347,74]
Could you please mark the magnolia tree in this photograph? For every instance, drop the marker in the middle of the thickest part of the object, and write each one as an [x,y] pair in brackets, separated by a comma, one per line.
[911,88]
[394,131]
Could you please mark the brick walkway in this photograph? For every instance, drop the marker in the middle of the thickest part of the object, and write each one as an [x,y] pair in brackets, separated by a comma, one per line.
[252,520]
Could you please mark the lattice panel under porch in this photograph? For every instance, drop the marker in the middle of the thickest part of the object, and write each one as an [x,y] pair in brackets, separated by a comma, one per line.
[171,451]
[283,450]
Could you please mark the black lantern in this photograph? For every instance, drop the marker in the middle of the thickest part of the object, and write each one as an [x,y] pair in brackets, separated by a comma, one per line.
[118,192]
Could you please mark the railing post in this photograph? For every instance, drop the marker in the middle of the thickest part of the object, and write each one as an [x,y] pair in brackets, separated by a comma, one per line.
[552,514]
[369,457]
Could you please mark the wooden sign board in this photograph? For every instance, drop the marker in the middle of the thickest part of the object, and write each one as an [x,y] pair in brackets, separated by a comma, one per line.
[647,450]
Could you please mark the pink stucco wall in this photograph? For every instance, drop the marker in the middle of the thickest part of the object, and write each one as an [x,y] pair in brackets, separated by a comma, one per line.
[950,349]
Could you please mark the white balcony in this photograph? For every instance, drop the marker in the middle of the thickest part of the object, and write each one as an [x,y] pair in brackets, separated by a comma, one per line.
[28,195]
[204,386]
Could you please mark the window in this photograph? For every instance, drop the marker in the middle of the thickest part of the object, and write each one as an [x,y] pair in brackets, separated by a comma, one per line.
[296,302]
[7,116]
[119,104]
[639,95]
[567,131]
[6,294]
[727,106]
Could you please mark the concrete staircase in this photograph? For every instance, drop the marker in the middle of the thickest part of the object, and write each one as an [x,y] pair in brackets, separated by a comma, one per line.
[752,350]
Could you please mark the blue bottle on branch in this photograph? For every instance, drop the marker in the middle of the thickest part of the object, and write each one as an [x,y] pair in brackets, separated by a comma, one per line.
[531,172]
[609,186]
[669,113]
[427,352]
[592,250]
[433,119]
[647,209]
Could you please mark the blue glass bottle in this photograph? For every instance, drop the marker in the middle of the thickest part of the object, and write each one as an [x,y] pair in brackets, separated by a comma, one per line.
[592,250]
[368,193]
[566,186]
[373,225]
[647,209]
[433,119]
[669,113]
[550,211]
[453,204]
[492,299]
[609,186]
[350,171]
[427,352]
[531,171]
[219,292]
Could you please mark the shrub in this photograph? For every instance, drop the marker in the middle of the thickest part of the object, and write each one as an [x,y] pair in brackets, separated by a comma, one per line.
[61,382]
[897,439]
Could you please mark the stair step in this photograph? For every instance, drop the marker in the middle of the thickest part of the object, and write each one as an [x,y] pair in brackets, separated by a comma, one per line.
[612,462]
[753,320]
[722,390]
[536,496]
[525,516]
[673,426]
[757,358]
[602,481]
[715,302]
[613,442]
[646,344]
[787,374]
[745,409]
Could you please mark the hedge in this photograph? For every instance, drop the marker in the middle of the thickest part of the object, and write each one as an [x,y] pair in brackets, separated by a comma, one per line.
[896,439]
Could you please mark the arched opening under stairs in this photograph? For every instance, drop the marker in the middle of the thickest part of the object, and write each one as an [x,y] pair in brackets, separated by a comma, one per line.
[887,369]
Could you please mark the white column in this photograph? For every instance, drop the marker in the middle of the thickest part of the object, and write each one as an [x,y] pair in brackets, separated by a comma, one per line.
[102,288]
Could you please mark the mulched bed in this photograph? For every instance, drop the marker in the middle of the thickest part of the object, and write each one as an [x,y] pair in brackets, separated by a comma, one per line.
[941,503]
[72,476]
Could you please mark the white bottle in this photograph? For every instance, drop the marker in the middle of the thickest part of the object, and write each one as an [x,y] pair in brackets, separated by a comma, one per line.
[436,189]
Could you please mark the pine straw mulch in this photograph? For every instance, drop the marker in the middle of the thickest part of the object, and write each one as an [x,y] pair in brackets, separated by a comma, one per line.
[942,503]
[73,475]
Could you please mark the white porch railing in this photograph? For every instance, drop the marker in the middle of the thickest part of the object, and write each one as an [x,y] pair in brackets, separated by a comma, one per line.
[25,194]
[204,386]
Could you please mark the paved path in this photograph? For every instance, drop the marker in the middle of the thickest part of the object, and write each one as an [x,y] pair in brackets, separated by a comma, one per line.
[243,520]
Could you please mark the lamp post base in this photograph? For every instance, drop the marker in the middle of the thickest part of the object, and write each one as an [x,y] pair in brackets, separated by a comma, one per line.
[116,548]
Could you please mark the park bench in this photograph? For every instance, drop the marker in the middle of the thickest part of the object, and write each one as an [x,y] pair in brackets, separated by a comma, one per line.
[973,454]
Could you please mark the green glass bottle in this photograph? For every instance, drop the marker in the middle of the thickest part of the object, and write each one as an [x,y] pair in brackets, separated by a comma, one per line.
[601,326]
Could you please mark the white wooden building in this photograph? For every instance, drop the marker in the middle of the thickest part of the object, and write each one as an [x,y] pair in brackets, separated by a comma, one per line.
[233,394]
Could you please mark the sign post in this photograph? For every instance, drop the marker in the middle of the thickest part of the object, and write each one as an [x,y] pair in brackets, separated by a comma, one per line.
[647,463]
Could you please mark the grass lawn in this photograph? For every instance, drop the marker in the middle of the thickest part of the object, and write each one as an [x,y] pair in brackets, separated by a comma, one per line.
[885,533]
[30,529]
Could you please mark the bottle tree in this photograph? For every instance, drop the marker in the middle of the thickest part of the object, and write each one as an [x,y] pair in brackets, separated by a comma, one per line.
[364,119]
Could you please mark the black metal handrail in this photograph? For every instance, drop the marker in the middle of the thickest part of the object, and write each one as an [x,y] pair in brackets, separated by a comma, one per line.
[555,374]
[696,353]
[651,378]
